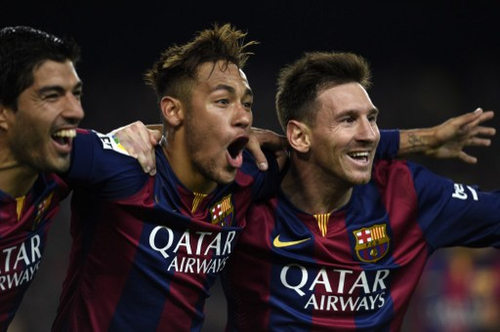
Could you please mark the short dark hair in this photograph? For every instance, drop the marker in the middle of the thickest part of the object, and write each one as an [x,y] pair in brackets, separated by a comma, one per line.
[300,82]
[22,50]
[176,69]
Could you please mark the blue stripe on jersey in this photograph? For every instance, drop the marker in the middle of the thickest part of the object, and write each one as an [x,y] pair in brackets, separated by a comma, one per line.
[388,146]
[453,214]
[364,210]
[148,299]
[288,231]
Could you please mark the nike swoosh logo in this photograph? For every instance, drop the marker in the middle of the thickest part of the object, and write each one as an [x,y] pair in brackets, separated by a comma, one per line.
[281,244]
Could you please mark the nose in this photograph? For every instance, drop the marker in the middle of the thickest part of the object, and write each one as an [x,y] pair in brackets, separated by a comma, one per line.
[367,130]
[73,110]
[243,117]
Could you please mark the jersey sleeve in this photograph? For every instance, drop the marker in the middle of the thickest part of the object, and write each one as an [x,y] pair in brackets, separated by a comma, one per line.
[454,214]
[264,183]
[388,146]
[99,167]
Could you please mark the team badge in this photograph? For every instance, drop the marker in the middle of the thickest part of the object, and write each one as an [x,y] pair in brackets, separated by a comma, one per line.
[41,208]
[222,212]
[111,142]
[372,243]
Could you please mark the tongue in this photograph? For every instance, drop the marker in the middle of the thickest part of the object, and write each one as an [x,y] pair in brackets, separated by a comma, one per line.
[59,140]
[235,162]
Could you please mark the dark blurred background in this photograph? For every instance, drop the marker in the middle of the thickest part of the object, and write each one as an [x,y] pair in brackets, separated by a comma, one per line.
[430,61]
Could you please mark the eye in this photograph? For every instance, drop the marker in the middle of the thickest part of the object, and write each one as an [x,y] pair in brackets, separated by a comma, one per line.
[348,119]
[372,118]
[50,96]
[248,105]
[78,94]
[223,101]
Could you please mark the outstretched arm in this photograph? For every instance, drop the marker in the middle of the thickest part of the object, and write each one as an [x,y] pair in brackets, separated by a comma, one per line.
[448,139]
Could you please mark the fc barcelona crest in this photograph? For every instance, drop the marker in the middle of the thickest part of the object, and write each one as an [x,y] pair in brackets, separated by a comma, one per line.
[222,212]
[41,209]
[372,243]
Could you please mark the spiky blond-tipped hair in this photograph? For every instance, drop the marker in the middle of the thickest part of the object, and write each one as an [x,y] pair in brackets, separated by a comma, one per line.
[178,64]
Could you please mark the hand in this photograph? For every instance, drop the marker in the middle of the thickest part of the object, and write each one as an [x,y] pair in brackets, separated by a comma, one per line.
[139,142]
[456,133]
[260,138]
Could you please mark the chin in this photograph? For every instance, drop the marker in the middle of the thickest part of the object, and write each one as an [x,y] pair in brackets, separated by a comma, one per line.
[226,177]
[359,180]
[60,165]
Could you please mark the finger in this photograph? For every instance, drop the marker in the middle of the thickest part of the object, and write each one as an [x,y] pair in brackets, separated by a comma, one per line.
[254,147]
[487,115]
[477,141]
[144,135]
[470,120]
[269,138]
[154,136]
[144,162]
[483,131]
[467,158]
[147,159]
[152,157]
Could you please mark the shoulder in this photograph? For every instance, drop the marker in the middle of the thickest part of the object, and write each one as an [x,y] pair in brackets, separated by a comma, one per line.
[387,170]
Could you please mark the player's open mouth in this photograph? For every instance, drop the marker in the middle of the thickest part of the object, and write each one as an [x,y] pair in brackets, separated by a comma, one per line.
[360,156]
[235,151]
[63,138]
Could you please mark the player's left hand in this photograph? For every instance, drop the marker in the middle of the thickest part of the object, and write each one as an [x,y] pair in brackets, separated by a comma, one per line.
[139,142]
[264,138]
[453,135]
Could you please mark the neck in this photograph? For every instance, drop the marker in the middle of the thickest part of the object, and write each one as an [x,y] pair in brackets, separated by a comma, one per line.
[178,157]
[15,179]
[312,191]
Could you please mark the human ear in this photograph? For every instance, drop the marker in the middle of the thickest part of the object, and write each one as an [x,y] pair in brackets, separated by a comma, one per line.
[298,135]
[4,116]
[172,111]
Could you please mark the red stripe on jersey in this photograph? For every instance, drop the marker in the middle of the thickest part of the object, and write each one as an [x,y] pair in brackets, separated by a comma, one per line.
[331,251]
[407,241]
[254,277]
[111,256]
[186,289]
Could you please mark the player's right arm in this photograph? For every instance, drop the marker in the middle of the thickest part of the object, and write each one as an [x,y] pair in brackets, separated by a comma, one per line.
[102,167]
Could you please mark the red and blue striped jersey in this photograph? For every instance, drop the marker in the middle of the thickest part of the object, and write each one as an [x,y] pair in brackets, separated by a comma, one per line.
[356,268]
[146,250]
[24,224]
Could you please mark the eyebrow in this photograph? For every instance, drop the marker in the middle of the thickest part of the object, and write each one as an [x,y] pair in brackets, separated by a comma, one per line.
[354,111]
[58,88]
[230,89]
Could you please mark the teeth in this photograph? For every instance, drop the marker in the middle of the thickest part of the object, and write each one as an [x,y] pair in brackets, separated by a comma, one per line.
[65,133]
[359,154]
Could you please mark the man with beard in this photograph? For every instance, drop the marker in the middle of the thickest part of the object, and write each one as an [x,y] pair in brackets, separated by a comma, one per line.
[342,245]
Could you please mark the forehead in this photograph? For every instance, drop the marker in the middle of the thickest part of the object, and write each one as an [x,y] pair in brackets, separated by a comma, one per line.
[53,73]
[345,97]
[222,73]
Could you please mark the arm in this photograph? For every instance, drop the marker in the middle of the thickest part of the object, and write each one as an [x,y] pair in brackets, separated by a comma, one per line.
[454,214]
[101,167]
[138,141]
[264,138]
[448,139]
